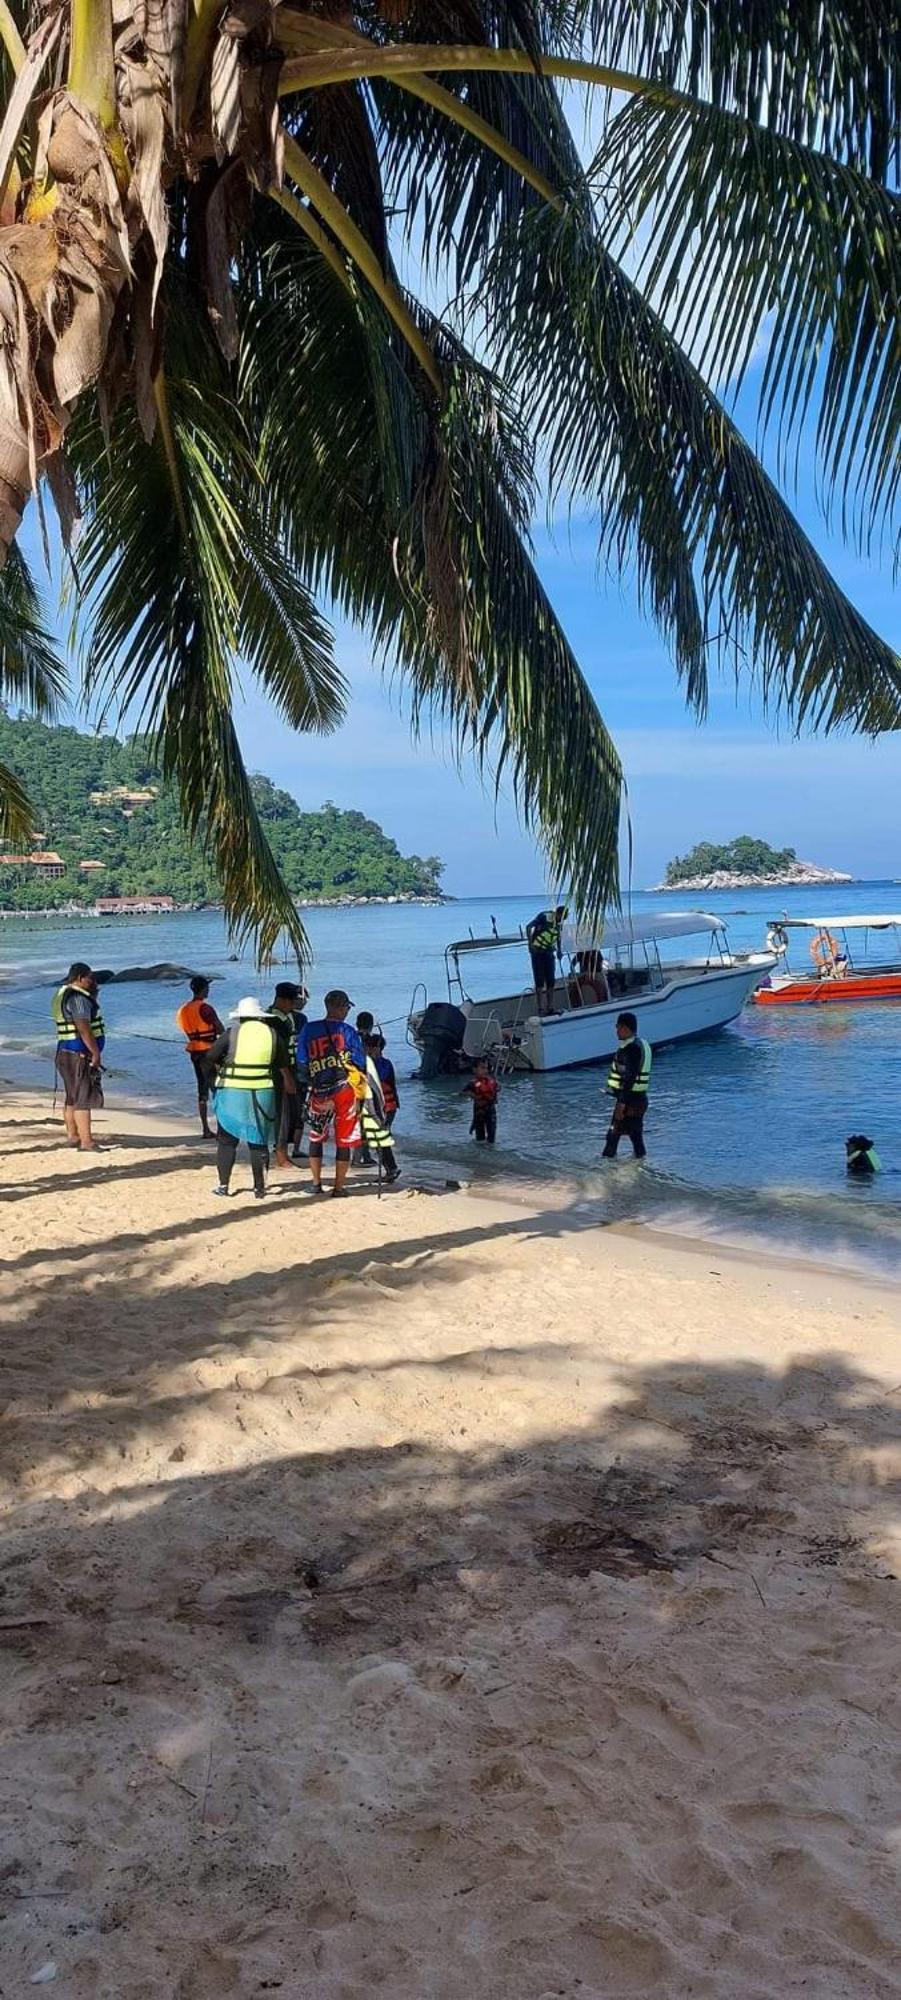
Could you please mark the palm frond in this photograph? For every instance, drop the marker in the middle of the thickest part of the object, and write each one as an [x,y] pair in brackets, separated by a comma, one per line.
[181,574]
[414,520]
[16,820]
[457,198]
[31,674]
[334,131]
[825,72]
[31,671]
[747,230]
[505,671]
[631,424]
[285,642]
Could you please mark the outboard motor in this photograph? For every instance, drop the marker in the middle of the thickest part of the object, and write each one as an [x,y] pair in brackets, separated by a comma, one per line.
[441,1032]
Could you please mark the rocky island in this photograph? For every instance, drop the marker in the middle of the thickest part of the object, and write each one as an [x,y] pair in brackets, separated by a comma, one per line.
[745,863]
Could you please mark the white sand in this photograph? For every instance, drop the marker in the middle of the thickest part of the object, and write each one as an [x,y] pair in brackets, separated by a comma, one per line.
[440,1597]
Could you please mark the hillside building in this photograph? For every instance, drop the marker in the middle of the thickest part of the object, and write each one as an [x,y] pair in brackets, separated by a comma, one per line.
[45,862]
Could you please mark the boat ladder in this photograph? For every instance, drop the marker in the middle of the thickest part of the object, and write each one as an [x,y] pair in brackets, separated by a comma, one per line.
[508,1045]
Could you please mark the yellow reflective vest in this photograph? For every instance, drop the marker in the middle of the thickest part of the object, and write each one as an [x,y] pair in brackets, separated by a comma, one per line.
[67,1035]
[250,1060]
[615,1079]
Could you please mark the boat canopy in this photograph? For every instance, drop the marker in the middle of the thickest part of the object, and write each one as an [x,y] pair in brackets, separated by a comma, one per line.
[484,943]
[837,923]
[616,933]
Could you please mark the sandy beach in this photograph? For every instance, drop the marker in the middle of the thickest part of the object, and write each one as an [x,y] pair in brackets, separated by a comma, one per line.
[440,1596]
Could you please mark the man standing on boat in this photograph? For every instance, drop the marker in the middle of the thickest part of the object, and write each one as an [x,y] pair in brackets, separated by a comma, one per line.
[628,1080]
[545,942]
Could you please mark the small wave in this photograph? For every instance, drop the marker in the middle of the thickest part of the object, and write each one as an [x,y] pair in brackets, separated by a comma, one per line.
[853,1229]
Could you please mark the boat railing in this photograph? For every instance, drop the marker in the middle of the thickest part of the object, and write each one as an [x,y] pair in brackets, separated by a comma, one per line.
[488,1043]
[422,988]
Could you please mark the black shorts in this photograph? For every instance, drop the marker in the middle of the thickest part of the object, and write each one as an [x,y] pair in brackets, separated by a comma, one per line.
[80,1080]
[544,968]
[199,1065]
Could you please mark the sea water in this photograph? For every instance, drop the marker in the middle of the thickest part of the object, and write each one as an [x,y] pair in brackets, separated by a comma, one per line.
[746,1127]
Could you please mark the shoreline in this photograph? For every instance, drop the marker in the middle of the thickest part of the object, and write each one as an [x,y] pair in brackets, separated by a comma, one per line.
[724,879]
[425,1169]
[91,910]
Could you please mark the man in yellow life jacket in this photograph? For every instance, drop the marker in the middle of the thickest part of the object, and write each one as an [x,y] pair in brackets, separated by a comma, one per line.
[201,1027]
[80,1036]
[545,941]
[627,1081]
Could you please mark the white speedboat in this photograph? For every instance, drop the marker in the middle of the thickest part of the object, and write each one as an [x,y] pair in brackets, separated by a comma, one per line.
[618,966]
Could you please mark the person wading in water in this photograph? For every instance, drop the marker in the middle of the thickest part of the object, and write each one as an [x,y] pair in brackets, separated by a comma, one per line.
[627,1081]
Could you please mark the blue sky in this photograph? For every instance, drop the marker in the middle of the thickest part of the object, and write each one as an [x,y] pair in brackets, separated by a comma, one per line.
[833,799]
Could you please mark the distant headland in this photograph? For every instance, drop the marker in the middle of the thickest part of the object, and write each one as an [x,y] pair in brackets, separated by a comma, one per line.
[111,841]
[745,863]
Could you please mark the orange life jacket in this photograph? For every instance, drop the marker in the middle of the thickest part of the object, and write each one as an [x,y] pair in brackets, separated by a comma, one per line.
[200,1033]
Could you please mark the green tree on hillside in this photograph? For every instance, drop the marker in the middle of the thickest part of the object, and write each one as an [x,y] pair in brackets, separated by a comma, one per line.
[327,853]
[202,309]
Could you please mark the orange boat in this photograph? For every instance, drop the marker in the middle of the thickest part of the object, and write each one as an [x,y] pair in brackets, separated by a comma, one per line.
[841,974]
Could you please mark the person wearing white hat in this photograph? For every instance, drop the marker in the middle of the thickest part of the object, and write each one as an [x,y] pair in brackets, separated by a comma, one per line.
[246,1062]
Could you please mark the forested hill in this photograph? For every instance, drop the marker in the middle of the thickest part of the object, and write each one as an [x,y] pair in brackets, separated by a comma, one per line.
[140,843]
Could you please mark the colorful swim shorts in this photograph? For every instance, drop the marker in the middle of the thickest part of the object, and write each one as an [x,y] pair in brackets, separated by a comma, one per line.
[335,1115]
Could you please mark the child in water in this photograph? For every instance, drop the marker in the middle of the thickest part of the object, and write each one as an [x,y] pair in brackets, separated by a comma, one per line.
[484,1091]
[861,1157]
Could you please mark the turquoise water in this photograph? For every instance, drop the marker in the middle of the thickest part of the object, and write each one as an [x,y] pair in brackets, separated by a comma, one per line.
[746,1129]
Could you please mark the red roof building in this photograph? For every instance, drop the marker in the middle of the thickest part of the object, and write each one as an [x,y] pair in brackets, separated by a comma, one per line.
[47,862]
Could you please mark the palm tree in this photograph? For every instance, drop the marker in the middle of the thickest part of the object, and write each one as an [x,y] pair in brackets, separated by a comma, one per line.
[239,405]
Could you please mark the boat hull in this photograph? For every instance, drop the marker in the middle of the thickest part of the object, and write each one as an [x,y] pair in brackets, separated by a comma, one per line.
[676,1012]
[697,1001]
[854,991]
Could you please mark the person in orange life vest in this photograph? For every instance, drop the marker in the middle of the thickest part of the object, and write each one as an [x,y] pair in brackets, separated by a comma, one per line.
[484,1091]
[201,1027]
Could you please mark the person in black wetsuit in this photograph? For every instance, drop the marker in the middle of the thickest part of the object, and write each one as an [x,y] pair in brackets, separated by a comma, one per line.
[627,1081]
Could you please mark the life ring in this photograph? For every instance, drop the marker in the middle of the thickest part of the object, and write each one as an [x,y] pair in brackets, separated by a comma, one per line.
[777,940]
[824,950]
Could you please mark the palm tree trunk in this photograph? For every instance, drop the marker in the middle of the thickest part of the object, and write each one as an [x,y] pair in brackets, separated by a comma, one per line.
[63,265]
[15,484]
